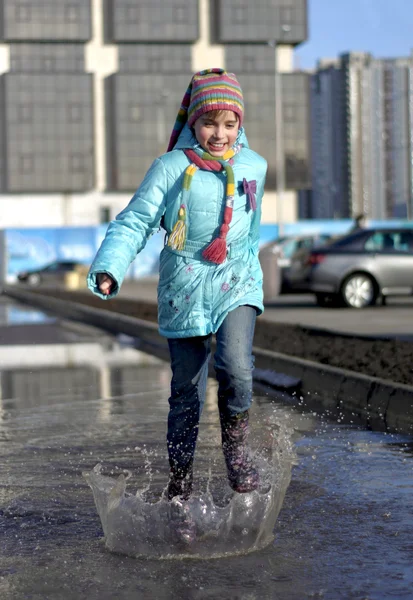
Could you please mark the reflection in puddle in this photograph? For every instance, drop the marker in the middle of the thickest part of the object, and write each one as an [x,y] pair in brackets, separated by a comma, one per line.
[44,361]
[19,315]
[12,313]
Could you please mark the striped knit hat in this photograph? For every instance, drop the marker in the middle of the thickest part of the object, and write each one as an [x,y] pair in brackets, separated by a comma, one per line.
[211,89]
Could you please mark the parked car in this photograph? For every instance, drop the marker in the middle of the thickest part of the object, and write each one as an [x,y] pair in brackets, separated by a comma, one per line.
[51,273]
[284,249]
[287,246]
[358,268]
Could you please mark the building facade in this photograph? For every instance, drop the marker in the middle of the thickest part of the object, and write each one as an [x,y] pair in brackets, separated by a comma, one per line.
[362,151]
[89,92]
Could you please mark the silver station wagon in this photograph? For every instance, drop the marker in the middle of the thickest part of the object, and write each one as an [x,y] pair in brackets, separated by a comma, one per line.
[357,269]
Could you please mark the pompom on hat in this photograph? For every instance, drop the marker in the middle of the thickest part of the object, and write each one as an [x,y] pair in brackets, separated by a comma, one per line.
[211,89]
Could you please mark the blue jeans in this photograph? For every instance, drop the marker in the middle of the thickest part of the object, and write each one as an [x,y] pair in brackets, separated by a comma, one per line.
[233,365]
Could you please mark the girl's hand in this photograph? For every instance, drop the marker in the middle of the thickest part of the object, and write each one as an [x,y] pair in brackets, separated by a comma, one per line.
[105,283]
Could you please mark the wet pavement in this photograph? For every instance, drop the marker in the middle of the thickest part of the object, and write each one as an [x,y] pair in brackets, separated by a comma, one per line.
[85,398]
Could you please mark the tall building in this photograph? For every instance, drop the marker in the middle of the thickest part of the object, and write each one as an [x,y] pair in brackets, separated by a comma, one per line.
[362,147]
[89,92]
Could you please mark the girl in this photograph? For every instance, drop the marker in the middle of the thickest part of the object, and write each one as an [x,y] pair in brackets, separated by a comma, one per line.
[206,192]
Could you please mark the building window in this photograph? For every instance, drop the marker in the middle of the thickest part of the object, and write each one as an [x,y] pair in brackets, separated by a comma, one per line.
[289,113]
[26,163]
[180,14]
[286,15]
[23,13]
[132,14]
[76,163]
[25,113]
[248,64]
[135,113]
[72,13]
[49,63]
[239,15]
[155,64]
[74,113]
[15,64]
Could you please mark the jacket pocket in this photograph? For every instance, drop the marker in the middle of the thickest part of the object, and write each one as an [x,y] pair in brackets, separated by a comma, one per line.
[179,292]
[169,266]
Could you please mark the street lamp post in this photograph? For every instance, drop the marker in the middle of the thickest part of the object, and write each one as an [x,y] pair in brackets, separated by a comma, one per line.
[279,140]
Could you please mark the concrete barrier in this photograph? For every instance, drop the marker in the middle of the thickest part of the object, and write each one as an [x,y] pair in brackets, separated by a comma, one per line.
[372,402]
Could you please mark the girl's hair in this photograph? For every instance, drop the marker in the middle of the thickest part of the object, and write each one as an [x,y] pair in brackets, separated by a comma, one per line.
[218,112]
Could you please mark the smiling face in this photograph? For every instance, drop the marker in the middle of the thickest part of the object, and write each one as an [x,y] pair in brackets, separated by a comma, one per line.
[217,131]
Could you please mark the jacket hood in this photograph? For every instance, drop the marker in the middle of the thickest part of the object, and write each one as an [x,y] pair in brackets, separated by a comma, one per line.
[188,140]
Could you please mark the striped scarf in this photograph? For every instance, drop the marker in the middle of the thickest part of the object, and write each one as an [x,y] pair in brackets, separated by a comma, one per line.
[216,251]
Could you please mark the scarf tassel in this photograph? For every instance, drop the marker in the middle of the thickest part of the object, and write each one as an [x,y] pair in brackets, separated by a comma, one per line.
[216,251]
[177,238]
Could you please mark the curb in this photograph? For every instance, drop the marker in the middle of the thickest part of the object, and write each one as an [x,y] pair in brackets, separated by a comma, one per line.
[371,402]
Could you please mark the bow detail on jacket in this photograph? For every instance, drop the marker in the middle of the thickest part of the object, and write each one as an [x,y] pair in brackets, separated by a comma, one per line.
[250,188]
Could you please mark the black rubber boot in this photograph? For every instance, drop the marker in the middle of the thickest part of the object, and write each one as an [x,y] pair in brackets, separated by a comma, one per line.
[180,482]
[179,491]
[242,475]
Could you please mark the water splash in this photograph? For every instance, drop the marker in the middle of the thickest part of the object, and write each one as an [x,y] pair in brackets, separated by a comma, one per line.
[200,527]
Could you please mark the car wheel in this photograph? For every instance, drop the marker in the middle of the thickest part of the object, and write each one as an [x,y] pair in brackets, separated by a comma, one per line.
[359,291]
[34,279]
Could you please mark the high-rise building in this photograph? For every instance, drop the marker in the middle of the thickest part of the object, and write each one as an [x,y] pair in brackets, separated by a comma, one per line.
[362,150]
[90,89]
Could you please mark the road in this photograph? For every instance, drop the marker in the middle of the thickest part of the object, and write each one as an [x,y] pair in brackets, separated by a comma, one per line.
[393,320]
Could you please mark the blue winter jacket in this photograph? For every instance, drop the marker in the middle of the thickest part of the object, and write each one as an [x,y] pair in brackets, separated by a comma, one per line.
[194,295]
